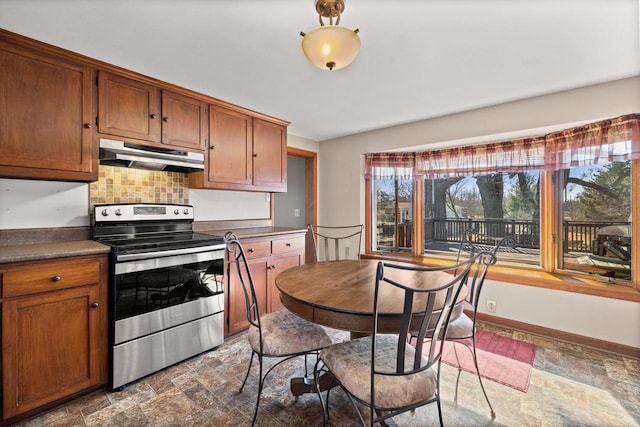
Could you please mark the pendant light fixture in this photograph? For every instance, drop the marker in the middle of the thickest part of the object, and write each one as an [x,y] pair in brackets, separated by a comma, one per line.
[330,47]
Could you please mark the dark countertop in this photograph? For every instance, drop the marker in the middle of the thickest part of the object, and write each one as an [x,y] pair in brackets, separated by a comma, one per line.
[50,250]
[33,251]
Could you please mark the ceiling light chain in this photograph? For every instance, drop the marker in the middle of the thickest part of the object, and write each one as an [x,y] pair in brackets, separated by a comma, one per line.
[330,47]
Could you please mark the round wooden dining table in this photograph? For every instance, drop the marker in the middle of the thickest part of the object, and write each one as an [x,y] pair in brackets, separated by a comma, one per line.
[340,294]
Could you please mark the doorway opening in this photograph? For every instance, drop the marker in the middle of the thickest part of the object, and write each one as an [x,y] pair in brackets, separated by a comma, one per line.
[297,207]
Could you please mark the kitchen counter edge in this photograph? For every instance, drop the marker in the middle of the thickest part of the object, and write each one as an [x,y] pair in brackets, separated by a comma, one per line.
[246,233]
[50,250]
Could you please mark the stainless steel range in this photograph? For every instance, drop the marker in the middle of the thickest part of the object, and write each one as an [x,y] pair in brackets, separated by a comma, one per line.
[166,287]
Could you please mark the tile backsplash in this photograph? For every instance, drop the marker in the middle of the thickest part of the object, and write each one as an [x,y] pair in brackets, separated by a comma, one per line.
[128,185]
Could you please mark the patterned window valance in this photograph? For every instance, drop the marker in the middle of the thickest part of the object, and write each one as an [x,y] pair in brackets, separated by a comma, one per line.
[389,165]
[599,142]
[518,155]
[595,143]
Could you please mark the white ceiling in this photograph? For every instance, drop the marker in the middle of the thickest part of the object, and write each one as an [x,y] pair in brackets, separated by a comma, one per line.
[419,58]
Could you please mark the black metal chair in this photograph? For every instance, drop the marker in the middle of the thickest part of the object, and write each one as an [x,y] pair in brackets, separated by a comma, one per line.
[280,334]
[336,243]
[462,329]
[384,372]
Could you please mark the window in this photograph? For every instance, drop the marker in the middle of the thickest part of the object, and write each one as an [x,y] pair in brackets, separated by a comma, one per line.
[494,205]
[565,198]
[596,219]
[393,214]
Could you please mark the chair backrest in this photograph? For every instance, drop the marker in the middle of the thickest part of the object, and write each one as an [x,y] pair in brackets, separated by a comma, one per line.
[474,243]
[336,243]
[426,311]
[239,262]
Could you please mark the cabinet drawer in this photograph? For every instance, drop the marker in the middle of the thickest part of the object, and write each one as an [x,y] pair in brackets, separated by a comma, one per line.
[33,278]
[257,249]
[287,245]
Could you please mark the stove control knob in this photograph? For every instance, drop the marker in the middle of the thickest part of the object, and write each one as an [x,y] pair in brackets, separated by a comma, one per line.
[117,212]
[177,212]
[106,212]
[186,211]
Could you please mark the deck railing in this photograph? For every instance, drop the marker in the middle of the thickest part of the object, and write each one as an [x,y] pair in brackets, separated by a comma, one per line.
[577,235]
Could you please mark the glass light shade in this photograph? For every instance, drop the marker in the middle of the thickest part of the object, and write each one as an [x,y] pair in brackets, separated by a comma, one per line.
[331,47]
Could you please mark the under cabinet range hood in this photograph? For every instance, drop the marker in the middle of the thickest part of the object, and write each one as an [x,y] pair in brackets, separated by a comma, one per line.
[125,154]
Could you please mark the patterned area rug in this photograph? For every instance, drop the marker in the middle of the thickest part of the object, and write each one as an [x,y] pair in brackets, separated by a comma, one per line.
[501,359]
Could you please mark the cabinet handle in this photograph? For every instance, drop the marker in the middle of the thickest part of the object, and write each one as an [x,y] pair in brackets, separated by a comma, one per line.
[87,125]
[95,305]
[272,267]
[212,147]
[288,245]
[153,116]
[56,279]
[165,119]
[255,155]
[250,250]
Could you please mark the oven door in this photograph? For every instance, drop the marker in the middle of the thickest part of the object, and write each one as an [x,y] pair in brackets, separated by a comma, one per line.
[166,309]
[153,294]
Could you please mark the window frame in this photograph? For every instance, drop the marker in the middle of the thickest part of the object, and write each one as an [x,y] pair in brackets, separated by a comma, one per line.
[547,274]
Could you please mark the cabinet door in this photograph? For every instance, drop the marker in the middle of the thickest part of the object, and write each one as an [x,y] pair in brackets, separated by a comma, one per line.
[52,345]
[280,263]
[269,156]
[230,147]
[45,117]
[184,121]
[128,108]
[237,310]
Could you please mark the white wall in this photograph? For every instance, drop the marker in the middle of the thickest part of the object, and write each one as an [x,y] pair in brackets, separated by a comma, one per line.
[341,194]
[605,319]
[302,143]
[214,205]
[41,204]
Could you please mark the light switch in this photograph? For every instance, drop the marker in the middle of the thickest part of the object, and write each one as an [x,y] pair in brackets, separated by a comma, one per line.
[296,212]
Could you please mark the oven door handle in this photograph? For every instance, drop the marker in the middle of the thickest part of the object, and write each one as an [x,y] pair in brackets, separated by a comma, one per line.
[170,252]
[139,265]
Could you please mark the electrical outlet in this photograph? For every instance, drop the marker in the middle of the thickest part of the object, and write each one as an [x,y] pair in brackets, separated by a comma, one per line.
[492,305]
[296,212]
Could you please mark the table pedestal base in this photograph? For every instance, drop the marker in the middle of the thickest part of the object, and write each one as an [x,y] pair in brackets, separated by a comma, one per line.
[302,385]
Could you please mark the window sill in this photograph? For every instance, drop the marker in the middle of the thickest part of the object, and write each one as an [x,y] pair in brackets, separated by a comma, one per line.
[532,276]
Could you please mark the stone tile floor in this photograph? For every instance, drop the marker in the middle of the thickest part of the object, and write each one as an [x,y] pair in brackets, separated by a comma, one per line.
[570,385]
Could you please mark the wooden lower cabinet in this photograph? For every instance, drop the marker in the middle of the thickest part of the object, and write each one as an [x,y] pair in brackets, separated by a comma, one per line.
[236,308]
[267,257]
[281,263]
[54,331]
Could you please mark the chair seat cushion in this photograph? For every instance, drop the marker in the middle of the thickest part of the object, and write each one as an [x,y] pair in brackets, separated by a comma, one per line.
[284,333]
[350,363]
[460,328]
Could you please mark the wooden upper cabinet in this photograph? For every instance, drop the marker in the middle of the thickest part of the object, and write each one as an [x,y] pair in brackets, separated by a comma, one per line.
[128,108]
[230,147]
[245,153]
[269,155]
[133,109]
[184,121]
[45,116]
